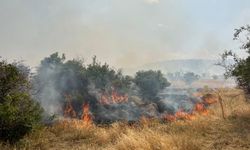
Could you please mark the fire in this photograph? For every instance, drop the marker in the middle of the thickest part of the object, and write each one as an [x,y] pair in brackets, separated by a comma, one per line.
[116,98]
[69,110]
[113,99]
[84,122]
[86,117]
[170,118]
[200,108]
[179,115]
[182,115]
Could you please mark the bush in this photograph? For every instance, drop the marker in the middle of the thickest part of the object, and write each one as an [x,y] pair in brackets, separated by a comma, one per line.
[150,83]
[18,112]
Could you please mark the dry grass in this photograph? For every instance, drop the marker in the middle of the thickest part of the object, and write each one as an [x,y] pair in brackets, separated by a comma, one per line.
[206,132]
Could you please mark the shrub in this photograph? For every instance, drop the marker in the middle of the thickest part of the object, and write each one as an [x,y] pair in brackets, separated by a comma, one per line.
[150,83]
[18,112]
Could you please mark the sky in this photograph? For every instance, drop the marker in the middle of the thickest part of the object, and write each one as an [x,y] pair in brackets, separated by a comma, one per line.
[123,33]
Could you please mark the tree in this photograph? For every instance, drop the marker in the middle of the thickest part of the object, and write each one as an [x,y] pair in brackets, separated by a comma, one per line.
[105,78]
[150,83]
[101,75]
[240,69]
[190,77]
[57,78]
[18,112]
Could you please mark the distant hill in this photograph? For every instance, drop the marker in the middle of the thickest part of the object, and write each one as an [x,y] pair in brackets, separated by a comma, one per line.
[198,66]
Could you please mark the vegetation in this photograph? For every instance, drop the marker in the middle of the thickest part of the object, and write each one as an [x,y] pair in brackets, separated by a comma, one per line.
[18,112]
[56,77]
[190,77]
[240,69]
[150,83]
[105,78]
[206,132]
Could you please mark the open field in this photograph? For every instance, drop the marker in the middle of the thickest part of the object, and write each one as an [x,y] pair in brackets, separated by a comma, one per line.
[205,132]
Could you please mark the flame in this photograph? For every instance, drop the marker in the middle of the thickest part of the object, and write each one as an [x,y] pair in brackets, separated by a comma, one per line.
[86,117]
[200,108]
[69,110]
[113,99]
[170,118]
[182,115]
[179,115]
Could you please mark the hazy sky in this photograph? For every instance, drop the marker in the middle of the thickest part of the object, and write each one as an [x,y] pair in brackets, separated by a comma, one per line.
[124,33]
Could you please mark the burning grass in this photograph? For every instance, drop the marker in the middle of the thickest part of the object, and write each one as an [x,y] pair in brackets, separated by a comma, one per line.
[208,131]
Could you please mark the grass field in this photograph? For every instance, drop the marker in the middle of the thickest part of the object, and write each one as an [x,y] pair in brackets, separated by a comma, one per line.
[205,132]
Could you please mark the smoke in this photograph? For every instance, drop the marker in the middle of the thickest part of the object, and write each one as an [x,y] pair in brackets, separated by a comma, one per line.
[57,79]
[115,30]
[46,91]
[113,111]
[175,99]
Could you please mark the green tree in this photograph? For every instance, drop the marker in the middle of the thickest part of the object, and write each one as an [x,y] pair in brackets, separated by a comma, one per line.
[150,83]
[240,69]
[18,112]
[104,77]
[101,75]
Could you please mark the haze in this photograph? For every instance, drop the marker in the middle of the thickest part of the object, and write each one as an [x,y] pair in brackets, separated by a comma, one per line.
[124,33]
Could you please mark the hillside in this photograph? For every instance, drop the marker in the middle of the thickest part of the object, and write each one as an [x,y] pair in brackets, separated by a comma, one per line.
[198,66]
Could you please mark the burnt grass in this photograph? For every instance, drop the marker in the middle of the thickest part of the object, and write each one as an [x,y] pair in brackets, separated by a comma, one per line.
[205,132]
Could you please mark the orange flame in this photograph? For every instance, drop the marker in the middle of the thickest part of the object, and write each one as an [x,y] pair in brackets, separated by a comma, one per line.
[181,114]
[199,108]
[113,99]
[86,117]
[170,118]
[69,110]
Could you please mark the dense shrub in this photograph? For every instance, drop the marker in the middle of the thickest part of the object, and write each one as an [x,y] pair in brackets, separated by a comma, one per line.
[18,112]
[150,83]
